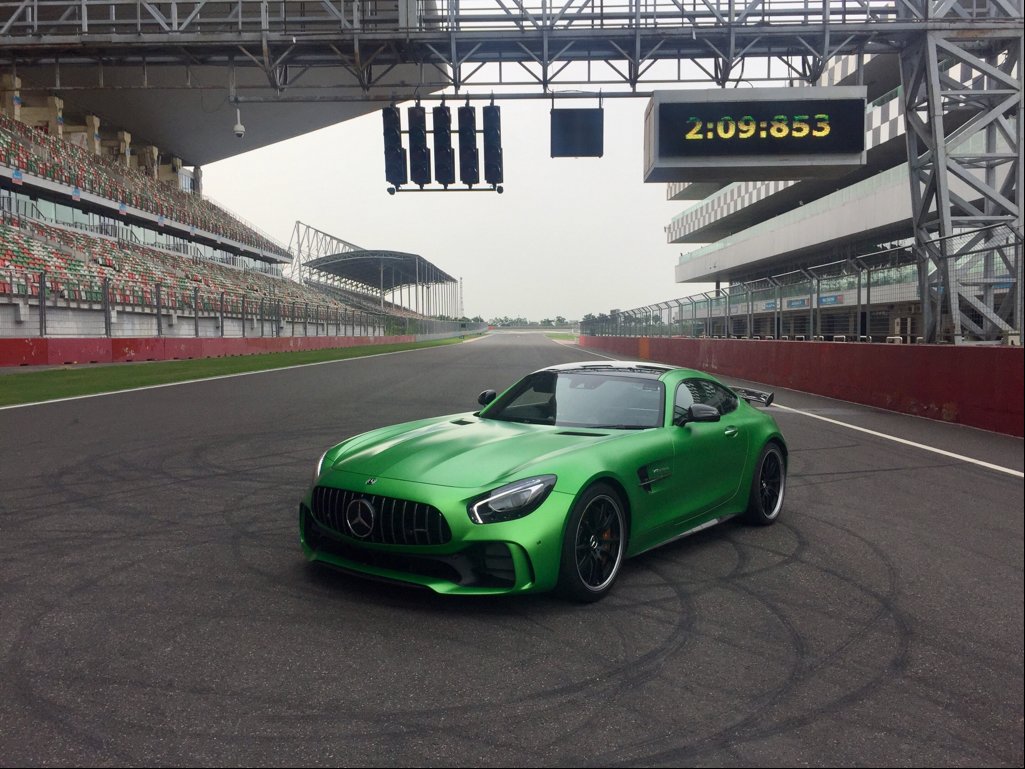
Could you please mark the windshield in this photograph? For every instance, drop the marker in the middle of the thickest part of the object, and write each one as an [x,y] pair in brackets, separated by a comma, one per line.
[583,399]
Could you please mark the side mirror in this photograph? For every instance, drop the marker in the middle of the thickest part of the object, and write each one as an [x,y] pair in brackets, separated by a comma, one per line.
[699,412]
[486,397]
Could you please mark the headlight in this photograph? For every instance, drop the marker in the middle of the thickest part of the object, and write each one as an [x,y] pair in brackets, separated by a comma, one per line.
[316,467]
[336,450]
[511,501]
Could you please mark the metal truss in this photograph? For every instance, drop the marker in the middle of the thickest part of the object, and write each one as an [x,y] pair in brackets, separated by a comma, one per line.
[963,104]
[309,243]
[455,44]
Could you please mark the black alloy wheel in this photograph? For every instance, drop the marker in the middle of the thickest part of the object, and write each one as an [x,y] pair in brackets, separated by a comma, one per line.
[768,486]
[594,545]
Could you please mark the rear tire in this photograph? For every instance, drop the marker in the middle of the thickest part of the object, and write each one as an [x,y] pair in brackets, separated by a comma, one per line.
[594,545]
[768,486]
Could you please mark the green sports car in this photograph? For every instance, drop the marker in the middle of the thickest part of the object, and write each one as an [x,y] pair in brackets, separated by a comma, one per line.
[550,485]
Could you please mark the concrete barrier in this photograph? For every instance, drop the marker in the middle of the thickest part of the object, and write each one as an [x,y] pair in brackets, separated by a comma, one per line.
[23,352]
[974,385]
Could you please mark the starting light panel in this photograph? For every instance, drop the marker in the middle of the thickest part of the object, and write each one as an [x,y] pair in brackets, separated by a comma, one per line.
[394,153]
[444,158]
[419,152]
[402,167]
[469,157]
[754,134]
[493,171]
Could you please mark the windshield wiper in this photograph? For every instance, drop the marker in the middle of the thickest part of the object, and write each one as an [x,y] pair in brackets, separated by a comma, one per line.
[621,427]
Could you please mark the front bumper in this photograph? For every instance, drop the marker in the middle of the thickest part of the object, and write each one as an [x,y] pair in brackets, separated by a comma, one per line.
[516,556]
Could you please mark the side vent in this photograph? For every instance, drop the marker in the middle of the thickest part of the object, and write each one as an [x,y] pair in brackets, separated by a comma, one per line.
[644,478]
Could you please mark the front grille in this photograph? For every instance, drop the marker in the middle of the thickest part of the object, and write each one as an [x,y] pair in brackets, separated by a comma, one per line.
[395,521]
[483,564]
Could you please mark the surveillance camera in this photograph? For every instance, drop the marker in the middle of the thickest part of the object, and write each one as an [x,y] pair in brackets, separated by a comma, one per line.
[240,130]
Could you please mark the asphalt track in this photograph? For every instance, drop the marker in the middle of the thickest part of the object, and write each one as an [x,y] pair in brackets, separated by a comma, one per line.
[155,608]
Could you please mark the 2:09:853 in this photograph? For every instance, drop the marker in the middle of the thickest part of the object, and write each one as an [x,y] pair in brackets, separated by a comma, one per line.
[779,127]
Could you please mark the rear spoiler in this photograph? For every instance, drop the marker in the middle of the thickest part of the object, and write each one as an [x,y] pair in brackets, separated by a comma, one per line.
[755,396]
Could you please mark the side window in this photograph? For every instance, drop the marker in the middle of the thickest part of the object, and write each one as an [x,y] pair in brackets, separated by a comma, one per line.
[727,400]
[684,399]
[709,393]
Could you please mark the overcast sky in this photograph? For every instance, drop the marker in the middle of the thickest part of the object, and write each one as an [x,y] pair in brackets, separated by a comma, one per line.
[569,236]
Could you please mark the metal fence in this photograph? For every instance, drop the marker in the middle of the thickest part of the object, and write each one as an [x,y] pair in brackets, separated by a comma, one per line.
[45,305]
[875,297]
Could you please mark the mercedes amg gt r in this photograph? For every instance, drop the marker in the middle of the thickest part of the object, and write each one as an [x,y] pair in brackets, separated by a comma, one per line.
[551,485]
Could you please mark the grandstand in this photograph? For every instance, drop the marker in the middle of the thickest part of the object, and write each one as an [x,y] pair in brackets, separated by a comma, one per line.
[98,238]
[111,179]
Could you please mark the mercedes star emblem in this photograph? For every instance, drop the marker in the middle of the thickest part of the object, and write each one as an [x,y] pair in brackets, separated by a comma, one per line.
[359,518]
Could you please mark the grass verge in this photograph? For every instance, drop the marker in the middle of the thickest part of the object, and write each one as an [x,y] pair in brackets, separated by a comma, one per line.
[33,386]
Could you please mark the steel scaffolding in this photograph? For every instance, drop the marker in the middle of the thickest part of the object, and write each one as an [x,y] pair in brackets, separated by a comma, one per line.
[469,43]
[963,106]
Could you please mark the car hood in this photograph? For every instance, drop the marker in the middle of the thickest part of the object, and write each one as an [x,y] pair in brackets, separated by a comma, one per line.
[463,451]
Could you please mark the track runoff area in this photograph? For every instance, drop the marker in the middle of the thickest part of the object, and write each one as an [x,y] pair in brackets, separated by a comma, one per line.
[156,607]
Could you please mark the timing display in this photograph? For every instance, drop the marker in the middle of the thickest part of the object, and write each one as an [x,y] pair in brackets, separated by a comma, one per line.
[728,128]
[754,134]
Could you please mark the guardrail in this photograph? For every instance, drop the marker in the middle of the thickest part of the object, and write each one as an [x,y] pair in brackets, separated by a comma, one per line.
[875,297]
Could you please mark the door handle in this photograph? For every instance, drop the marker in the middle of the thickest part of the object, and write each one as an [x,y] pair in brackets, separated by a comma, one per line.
[730,431]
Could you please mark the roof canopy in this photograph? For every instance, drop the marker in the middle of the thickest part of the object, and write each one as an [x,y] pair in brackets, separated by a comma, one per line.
[381,270]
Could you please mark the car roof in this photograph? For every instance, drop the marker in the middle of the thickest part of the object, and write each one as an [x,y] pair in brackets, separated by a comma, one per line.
[653,370]
[637,368]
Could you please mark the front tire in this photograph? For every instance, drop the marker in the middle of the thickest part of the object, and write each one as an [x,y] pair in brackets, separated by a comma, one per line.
[594,545]
[768,486]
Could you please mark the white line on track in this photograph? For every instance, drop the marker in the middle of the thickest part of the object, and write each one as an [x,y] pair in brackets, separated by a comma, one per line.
[895,439]
[204,379]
